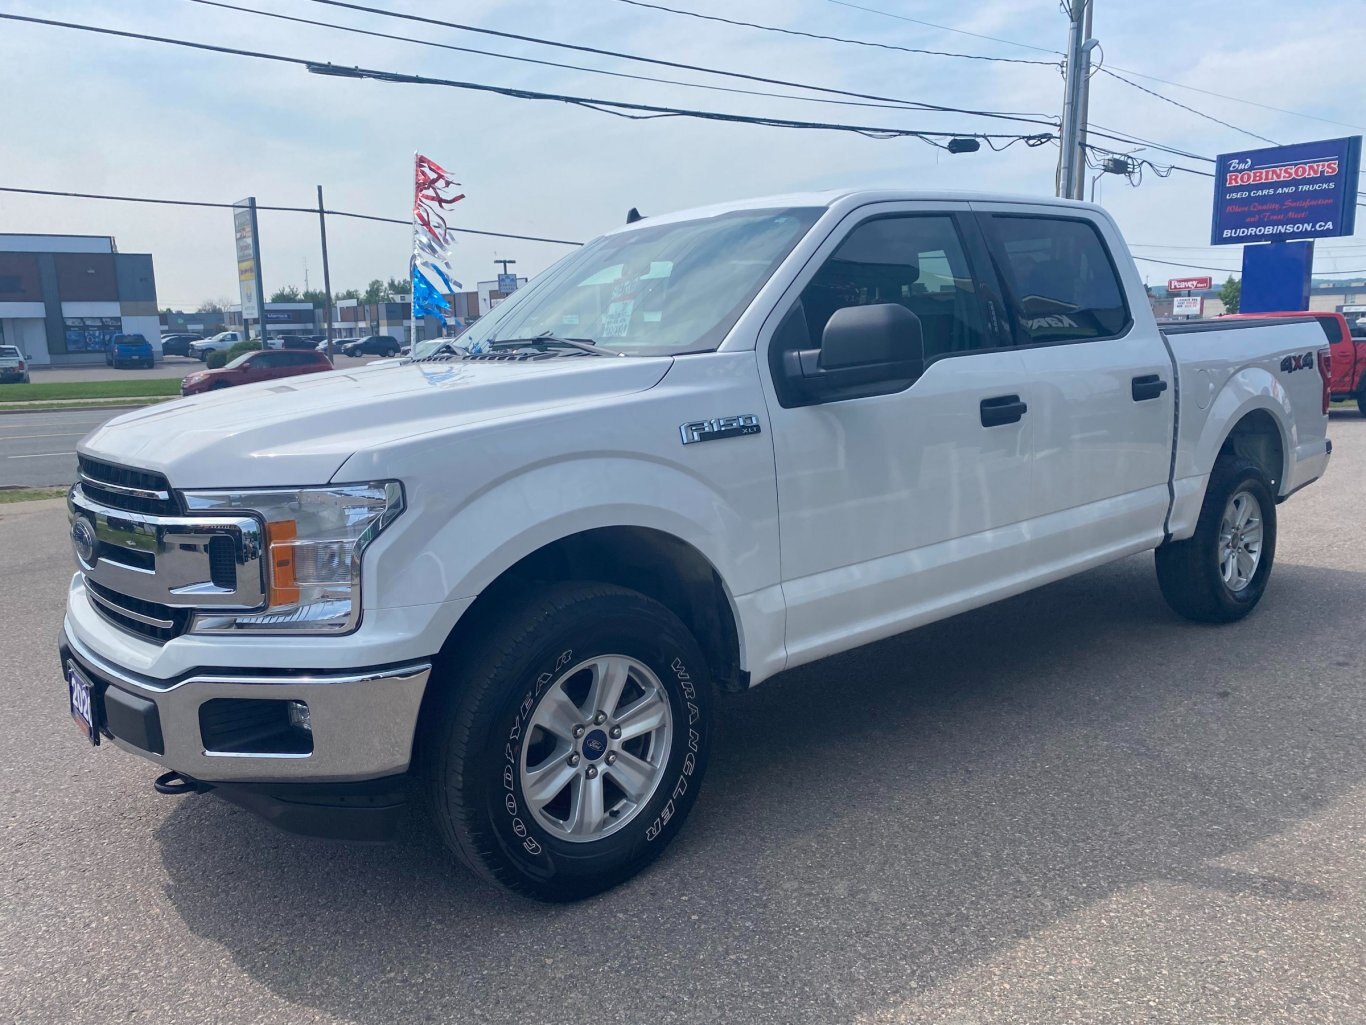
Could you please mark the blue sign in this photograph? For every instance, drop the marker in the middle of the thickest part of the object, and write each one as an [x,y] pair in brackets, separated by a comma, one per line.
[1276,277]
[1286,193]
[507,283]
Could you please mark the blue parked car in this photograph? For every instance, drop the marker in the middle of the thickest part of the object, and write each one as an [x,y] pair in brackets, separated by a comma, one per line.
[129,351]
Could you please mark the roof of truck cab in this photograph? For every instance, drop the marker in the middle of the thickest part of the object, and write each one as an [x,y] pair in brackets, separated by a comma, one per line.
[848,198]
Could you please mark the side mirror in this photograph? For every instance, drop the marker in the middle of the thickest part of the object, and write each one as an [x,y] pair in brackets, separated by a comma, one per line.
[876,349]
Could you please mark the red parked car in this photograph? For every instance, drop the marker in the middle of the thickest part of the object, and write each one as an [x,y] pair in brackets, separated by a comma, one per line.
[1348,364]
[250,367]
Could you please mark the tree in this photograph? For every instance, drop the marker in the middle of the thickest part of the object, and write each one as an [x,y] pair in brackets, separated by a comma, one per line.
[399,288]
[1231,294]
[214,305]
[347,293]
[375,292]
[288,294]
[316,296]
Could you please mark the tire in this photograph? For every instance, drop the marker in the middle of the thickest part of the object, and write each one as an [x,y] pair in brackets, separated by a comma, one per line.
[1199,577]
[484,740]
[1361,402]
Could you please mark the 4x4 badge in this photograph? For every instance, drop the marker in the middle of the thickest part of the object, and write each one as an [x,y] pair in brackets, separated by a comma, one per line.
[719,427]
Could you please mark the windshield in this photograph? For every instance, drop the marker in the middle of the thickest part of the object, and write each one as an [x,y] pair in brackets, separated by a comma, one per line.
[423,349]
[8,350]
[239,361]
[651,291]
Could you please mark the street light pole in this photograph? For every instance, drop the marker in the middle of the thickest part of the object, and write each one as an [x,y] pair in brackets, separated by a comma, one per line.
[327,276]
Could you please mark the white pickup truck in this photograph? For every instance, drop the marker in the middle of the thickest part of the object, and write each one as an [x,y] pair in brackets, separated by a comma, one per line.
[700,450]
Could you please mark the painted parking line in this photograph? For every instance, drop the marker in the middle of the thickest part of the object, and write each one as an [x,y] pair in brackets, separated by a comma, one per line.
[41,455]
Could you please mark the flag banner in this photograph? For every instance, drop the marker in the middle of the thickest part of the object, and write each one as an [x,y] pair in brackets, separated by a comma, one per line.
[435,192]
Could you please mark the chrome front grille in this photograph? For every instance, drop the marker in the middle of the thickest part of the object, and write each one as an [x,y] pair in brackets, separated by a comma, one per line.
[119,487]
[150,572]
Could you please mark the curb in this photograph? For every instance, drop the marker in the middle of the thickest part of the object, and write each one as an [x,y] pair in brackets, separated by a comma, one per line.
[61,409]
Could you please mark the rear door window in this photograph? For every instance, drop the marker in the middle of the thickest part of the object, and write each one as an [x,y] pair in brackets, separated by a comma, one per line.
[1064,283]
[1332,327]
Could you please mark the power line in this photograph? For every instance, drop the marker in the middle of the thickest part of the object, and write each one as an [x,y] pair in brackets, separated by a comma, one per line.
[838,39]
[279,209]
[1234,270]
[1127,71]
[620,108]
[1034,118]
[548,63]
[944,28]
[1176,103]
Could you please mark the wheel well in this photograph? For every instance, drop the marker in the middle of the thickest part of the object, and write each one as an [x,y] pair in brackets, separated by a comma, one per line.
[659,565]
[1257,438]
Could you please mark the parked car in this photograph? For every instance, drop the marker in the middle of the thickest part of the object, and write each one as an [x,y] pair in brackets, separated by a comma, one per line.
[371,345]
[13,365]
[1348,346]
[223,340]
[299,342]
[250,367]
[177,345]
[129,350]
[782,428]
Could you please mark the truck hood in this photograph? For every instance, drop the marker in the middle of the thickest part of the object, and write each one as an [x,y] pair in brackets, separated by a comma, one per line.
[300,430]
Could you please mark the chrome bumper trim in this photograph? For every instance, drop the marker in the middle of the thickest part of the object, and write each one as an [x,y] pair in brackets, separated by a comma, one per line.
[363,721]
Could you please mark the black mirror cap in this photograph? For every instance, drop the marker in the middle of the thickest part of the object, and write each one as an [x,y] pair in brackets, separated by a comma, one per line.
[869,335]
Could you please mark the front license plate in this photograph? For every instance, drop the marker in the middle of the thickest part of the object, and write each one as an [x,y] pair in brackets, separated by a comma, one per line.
[82,703]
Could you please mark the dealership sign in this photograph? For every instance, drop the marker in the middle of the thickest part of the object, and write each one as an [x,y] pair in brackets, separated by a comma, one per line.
[248,258]
[1188,306]
[1286,193]
[1190,284]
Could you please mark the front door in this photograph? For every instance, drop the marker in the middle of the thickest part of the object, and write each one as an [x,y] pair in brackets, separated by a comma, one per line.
[896,507]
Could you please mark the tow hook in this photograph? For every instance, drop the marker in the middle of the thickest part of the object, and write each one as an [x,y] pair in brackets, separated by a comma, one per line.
[174,783]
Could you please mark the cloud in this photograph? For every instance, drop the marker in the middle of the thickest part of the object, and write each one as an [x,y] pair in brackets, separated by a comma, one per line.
[103,115]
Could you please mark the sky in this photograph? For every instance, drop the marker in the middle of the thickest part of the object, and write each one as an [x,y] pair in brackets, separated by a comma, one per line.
[97,114]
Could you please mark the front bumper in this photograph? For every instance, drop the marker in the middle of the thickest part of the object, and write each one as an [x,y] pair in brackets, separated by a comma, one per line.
[362,721]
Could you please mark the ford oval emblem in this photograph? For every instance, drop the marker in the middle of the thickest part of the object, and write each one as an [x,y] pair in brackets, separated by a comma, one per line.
[83,540]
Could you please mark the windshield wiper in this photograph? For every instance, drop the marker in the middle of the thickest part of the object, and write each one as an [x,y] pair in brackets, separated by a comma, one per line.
[547,340]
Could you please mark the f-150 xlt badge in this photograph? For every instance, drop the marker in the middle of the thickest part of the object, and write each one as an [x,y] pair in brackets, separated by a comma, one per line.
[1297,362]
[719,427]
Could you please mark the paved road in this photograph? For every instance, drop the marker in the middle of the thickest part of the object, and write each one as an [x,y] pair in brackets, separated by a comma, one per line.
[40,448]
[1067,808]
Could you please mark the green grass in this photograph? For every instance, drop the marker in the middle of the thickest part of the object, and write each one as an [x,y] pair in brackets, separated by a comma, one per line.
[147,387]
[9,495]
[38,407]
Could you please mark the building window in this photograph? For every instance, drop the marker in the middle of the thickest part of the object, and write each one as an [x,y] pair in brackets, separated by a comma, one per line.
[90,334]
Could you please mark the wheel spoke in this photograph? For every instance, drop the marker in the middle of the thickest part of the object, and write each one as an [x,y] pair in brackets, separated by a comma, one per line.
[1247,565]
[1243,507]
[634,775]
[645,716]
[586,813]
[543,784]
[1252,533]
[1227,566]
[557,714]
[609,680]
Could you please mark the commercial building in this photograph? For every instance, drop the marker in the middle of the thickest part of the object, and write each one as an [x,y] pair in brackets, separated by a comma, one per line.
[281,319]
[63,297]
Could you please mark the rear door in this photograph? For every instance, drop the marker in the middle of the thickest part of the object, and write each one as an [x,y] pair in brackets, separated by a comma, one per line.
[1101,392]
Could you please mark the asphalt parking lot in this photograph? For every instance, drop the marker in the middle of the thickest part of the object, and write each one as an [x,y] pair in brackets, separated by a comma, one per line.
[1068,807]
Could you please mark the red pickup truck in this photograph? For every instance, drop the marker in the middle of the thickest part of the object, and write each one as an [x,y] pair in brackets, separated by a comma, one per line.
[1348,380]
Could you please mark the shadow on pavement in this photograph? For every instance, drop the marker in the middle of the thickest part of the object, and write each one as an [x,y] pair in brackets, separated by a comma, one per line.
[870,824]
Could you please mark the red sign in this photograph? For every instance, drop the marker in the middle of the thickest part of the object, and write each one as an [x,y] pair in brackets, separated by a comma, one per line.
[1189,284]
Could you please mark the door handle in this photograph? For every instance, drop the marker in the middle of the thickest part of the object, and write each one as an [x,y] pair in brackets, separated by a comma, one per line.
[1003,409]
[1149,386]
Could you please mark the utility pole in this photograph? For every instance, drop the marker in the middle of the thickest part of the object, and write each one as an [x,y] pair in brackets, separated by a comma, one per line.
[1076,91]
[327,277]
[504,264]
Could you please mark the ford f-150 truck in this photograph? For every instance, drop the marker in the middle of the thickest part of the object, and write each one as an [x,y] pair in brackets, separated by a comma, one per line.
[699,450]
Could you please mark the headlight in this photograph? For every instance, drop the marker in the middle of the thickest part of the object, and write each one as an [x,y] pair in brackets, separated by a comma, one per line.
[193,378]
[315,539]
